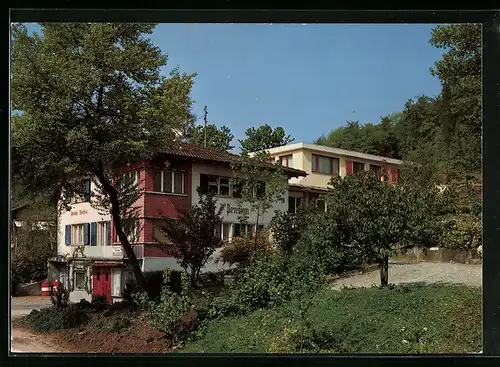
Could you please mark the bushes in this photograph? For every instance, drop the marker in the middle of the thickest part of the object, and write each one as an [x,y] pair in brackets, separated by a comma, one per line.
[241,249]
[269,279]
[51,319]
[462,233]
[168,312]
[154,284]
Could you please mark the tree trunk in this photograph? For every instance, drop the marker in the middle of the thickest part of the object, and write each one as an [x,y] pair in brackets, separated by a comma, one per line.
[384,271]
[115,214]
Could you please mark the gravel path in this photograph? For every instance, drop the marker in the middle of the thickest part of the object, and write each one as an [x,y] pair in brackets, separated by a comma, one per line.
[404,272]
[24,341]
[21,306]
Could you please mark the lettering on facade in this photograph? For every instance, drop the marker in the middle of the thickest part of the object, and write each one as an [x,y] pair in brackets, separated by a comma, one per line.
[117,251]
[81,212]
[235,210]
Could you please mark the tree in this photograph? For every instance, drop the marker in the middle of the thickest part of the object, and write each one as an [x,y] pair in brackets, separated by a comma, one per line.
[258,183]
[460,73]
[217,138]
[264,137]
[91,99]
[192,236]
[377,218]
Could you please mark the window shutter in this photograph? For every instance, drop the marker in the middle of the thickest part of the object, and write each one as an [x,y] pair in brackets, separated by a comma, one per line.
[204,183]
[348,167]
[86,230]
[93,234]
[86,190]
[394,175]
[108,233]
[68,234]
[67,196]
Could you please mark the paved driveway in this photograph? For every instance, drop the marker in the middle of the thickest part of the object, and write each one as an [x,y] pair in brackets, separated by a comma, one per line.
[21,306]
[404,272]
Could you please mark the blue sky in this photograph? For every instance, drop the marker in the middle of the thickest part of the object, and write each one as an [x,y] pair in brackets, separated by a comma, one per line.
[309,79]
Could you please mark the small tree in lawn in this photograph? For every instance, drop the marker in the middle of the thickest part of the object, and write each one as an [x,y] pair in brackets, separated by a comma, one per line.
[192,236]
[378,218]
[259,184]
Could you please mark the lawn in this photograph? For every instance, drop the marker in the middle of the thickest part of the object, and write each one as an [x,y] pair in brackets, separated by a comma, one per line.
[406,319]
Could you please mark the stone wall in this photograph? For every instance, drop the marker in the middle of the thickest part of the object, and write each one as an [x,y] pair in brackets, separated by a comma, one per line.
[31,289]
[441,255]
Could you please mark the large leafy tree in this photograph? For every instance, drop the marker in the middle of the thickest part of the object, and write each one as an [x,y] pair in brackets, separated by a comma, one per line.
[460,74]
[377,218]
[264,137]
[91,98]
[219,138]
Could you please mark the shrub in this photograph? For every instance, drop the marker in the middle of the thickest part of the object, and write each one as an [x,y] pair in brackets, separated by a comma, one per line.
[462,232]
[46,319]
[120,323]
[167,313]
[59,297]
[74,316]
[241,249]
[99,303]
[154,284]
[269,279]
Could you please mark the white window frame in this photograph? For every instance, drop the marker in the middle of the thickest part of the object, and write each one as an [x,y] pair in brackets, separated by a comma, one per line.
[218,184]
[162,182]
[135,174]
[221,231]
[83,273]
[77,234]
[116,280]
[101,234]
[246,225]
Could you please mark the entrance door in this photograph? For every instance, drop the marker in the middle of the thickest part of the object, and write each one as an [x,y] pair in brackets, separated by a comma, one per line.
[102,282]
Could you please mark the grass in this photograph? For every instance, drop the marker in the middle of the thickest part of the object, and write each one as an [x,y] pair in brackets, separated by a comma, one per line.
[403,320]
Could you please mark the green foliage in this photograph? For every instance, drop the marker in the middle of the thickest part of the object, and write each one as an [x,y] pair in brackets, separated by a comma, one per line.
[268,280]
[378,139]
[241,249]
[34,247]
[264,137]
[377,218]
[432,319]
[100,302]
[167,314]
[120,323]
[51,318]
[60,297]
[462,232]
[286,228]
[219,138]
[192,236]
[260,184]
[91,99]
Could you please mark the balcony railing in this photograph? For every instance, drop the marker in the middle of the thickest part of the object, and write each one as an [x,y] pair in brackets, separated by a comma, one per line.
[138,251]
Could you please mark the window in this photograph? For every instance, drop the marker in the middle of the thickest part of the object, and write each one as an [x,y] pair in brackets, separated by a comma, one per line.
[77,234]
[287,161]
[240,229]
[222,231]
[101,235]
[325,165]
[377,170]
[294,204]
[158,234]
[131,227]
[216,185]
[168,181]
[79,280]
[131,176]
[116,282]
[358,167]
[81,197]
[319,202]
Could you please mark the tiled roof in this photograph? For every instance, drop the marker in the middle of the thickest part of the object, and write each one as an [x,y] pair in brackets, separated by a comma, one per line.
[208,154]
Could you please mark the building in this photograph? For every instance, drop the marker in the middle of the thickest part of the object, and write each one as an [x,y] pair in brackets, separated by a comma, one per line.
[321,163]
[91,261]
